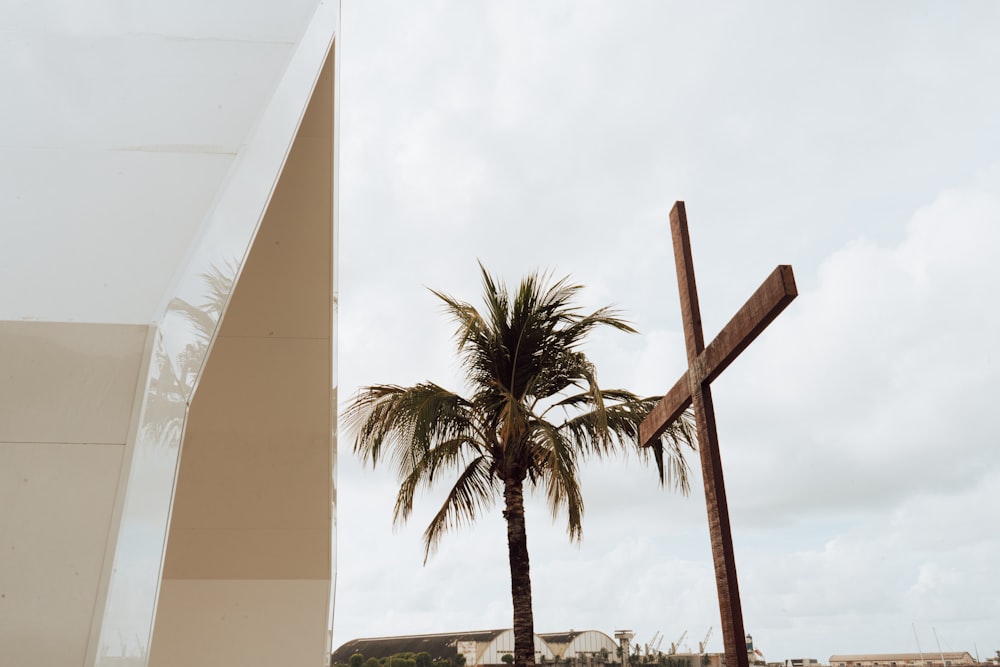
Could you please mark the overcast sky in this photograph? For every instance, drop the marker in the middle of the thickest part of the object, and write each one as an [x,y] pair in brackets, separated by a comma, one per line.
[858,142]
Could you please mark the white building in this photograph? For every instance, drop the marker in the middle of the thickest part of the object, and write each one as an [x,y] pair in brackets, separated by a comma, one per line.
[580,644]
[477,647]
[167,250]
[940,659]
[486,647]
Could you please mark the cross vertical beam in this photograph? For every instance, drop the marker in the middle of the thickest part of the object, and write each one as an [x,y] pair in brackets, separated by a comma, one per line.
[693,389]
[730,609]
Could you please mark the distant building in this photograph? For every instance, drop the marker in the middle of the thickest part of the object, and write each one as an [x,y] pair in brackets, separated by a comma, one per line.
[946,659]
[488,647]
[695,659]
[754,656]
[581,645]
[479,647]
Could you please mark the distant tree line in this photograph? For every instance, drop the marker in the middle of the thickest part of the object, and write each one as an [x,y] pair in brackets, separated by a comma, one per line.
[424,659]
[659,659]
[666,660]
[601,657]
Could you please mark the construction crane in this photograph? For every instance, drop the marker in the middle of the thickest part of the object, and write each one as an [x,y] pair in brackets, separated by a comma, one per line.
[652,645]
[658,643]
[703,644]
[677,644]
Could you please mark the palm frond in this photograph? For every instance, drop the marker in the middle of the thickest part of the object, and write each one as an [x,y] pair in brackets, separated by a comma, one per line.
[668,453]
[449,454]
[604,427]
[475,491]
[407,421]
[562,486]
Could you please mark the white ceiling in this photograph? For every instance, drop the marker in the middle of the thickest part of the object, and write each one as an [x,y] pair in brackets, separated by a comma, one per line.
[121,124]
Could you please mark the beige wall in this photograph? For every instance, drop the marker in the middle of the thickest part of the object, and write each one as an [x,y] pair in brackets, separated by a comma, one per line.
[66,401]
[247,573]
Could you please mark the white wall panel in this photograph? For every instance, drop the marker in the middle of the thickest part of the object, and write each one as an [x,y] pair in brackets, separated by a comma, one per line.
[62,382]
[220,615]
[56,503]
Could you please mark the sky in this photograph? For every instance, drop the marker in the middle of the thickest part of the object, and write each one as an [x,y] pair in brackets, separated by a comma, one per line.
[858,142]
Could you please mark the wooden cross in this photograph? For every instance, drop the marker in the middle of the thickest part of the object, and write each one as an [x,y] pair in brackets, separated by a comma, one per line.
[704,365]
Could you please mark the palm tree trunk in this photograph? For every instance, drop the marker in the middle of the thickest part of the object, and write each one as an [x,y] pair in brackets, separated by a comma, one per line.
[520,576]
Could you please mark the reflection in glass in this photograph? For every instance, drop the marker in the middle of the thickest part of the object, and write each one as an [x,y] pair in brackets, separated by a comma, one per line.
[201,322]
[129,611]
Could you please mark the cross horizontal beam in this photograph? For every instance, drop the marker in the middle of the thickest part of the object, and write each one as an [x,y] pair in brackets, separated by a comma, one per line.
[776,292]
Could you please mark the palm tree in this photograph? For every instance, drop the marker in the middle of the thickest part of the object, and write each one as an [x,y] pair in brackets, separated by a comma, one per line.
[525,369]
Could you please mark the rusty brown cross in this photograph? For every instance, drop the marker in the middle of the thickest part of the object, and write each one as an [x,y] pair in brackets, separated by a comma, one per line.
[704,365]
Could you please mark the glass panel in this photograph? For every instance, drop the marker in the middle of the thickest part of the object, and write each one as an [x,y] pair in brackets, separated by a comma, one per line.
[135,576]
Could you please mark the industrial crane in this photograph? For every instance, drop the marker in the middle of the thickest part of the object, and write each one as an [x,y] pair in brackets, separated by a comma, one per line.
[652,645]
[703,644]
[676,645]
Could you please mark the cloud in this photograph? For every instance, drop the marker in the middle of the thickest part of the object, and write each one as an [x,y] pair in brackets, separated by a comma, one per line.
[875,384]
[920,563]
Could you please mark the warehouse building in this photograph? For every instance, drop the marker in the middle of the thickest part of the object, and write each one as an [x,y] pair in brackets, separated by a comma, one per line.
[486,647]
[480,647]
[580,644]
[941,659]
